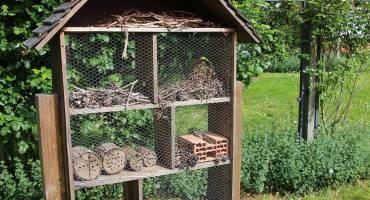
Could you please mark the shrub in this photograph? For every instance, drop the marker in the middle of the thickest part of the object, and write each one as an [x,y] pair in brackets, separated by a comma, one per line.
[278,162]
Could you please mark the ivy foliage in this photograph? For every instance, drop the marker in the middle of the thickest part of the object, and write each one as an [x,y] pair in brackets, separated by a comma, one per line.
[23,73]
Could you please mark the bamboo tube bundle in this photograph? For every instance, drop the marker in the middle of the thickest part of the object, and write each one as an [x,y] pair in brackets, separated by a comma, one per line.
[86,163]
[134,159]
[113,158]
[149,156]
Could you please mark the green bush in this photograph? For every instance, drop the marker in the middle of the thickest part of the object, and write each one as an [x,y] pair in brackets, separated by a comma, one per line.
[278,162]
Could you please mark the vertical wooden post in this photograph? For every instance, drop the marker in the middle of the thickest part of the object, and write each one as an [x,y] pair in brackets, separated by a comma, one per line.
[60,86]
[165,135]
[147,66]
[237,144]
[134,190]
[50,146]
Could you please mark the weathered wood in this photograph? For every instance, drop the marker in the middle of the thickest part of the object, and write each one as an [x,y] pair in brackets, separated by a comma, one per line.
[148,106]
[148,30]
[237,124]
[134,159]
[59,69]
[165,130]
[60,25]
[54,17]
[147,65]
[32,41]
[66,6]
[86,163]
[149,156]
[113,158]
[134,190]
[50,140]
[43,29]
[147,172]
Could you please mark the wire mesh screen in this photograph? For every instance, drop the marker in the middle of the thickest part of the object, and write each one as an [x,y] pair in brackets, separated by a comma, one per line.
[107,70]
[164,136]
[194,65]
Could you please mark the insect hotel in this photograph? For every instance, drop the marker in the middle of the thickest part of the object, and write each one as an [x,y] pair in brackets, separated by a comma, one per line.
[129,78]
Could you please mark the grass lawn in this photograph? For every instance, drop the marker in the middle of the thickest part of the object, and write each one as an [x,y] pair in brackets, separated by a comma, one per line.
[271,100]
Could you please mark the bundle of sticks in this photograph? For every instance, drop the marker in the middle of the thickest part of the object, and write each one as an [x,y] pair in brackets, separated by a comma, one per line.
[97,98]
[201,84]
[175,19]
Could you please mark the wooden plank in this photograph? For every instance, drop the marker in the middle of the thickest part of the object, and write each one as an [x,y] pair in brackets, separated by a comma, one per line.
[60,25]
[59,73]
[43,29]
[236,163]
[221,9]
[32,41]
[134,190]
[147,106]
[147,30]
[147,172]
[165,135]
[66,6]
[50,144]
[147,65]
[55,17]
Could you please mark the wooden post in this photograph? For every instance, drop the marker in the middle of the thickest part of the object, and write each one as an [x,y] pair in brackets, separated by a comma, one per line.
[237,140]
[51,153]
[60,86]
[307,95]
[165,135]
[147,65]
[134,190]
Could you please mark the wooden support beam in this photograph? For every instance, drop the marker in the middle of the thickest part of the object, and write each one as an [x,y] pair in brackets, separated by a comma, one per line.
[165,135]
[134,190]
[60,86]
[50,140]
[147,65]
[148,30]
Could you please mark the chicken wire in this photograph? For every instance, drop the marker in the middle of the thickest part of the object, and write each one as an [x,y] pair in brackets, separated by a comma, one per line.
[194,65]
[104,70]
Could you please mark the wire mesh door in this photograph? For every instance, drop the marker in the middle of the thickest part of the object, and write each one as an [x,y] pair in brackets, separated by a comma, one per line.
[132,113]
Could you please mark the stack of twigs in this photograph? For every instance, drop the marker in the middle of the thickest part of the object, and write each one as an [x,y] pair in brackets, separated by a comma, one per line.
[201,84]
[176,19]
[97,98]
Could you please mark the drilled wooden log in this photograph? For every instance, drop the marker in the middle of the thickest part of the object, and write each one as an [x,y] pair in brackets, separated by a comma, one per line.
[149,156]
[134,159]
[113,158]
[86,163]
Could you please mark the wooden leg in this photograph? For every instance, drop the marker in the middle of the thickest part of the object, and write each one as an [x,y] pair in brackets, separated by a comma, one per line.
[51,149]
[134,190]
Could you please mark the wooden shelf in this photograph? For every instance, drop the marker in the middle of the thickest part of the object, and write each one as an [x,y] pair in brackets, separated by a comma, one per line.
[146,30]
[147,106]
[145,173]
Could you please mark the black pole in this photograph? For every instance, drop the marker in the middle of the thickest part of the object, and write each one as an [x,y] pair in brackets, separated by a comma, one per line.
[307,96]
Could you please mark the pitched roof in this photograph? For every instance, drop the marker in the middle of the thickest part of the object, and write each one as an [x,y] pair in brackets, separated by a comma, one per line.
[222,9]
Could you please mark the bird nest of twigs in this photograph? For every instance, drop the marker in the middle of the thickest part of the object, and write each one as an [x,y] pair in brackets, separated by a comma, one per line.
[174,19]
[200,85]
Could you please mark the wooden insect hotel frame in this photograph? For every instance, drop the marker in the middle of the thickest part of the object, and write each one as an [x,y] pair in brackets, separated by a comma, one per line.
[141,90]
